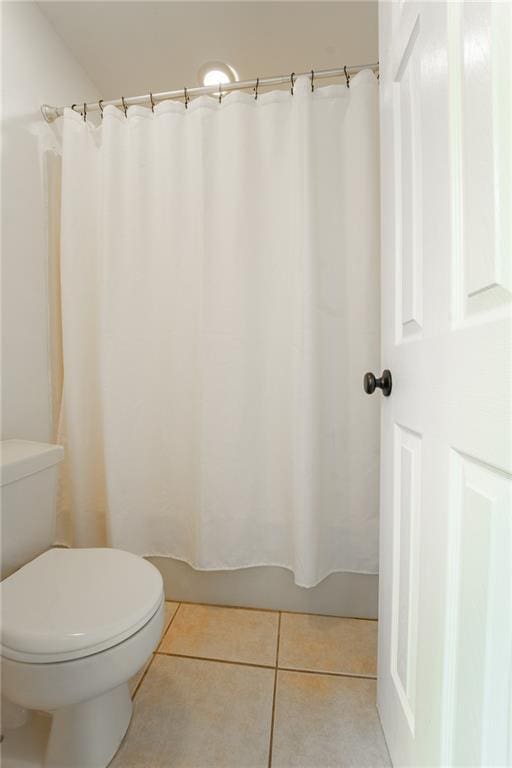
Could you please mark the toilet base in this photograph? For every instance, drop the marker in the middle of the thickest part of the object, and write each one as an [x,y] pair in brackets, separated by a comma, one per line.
[85,735]
[23,746]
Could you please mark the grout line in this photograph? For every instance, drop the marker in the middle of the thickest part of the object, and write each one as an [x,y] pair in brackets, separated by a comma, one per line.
[273,610]
[274,695]
[136,690]
[266,666]
[330,674]
[168,627]
[278,640]
[219,661]
[233,607]
[328,616]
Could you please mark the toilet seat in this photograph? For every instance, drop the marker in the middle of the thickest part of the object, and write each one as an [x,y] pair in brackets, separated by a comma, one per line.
[72,603]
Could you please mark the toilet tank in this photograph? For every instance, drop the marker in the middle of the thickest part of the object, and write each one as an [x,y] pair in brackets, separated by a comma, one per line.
[28,478]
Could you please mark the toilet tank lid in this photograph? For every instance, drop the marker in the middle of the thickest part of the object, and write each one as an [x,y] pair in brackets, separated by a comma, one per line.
[20,458]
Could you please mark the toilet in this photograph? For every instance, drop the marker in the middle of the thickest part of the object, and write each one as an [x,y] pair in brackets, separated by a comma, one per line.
[77,624]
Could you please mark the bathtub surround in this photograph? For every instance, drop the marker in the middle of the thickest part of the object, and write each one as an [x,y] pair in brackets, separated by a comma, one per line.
[219,272]
[340,594]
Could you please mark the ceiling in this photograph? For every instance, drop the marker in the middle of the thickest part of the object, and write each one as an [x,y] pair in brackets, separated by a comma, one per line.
[130,48]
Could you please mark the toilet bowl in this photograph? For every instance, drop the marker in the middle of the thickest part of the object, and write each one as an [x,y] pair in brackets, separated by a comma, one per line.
[77,624]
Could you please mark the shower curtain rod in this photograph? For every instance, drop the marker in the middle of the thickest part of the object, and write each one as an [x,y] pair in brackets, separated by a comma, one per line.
[52,113]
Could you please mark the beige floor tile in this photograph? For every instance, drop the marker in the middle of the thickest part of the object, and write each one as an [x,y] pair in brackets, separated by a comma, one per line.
[199,714]
[322,721]
[169,611]
[328,644]
[233,634]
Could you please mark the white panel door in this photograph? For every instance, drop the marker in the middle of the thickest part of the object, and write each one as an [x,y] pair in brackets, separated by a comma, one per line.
[445,646]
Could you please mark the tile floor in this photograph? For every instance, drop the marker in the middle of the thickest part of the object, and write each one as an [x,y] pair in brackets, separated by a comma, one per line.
[243,688]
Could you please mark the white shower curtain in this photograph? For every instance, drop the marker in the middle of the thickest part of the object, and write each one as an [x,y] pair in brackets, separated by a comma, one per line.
[219,287]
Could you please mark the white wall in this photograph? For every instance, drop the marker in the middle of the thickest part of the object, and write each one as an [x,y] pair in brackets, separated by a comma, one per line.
[36,68]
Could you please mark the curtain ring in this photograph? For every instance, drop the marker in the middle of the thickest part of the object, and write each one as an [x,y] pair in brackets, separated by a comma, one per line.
[186,98]
[292,81]
[100,105]
[124,106]
[73,107]
[220,93]
[152,102]
[256,88]
[347,76]
[312,81]
[85,112]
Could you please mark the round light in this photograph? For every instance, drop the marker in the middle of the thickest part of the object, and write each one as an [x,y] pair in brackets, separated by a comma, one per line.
[216,72]
[215,76]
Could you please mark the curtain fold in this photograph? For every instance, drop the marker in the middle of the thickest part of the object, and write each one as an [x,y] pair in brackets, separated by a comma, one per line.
[220,305]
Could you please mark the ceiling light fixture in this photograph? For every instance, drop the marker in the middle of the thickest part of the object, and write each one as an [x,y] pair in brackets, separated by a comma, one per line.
[215,72]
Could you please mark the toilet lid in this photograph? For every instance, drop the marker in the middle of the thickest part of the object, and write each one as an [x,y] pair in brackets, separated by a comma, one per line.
[70,603]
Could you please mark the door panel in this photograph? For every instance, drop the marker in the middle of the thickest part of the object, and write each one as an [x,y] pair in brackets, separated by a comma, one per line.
[405,572]
[479,44]
[408,192]
[477,691]
[445,640]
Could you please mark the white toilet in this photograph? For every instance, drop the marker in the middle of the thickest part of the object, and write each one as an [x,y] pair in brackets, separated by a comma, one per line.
[77,624]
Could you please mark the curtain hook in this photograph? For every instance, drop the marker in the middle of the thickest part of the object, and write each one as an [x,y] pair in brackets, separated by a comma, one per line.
[73,107]
[124,106]
[100,105]
[312,81]
[256,88]
[347,76]
[152,102]
[220,92]
[292,81]
[85,112]
[186,97]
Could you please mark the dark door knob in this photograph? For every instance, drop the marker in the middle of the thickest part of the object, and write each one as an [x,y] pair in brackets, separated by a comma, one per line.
[385,383]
